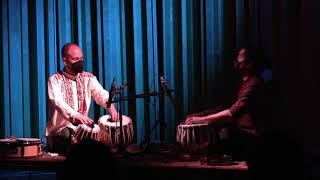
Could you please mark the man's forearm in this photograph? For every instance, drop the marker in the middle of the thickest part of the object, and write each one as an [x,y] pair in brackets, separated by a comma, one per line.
[216,117]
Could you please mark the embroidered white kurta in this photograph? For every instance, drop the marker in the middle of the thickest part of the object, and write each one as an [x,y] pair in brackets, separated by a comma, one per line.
[61,112]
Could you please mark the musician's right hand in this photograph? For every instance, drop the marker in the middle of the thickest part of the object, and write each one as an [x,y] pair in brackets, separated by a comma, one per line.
[193,120]
[114,115]
[81,119]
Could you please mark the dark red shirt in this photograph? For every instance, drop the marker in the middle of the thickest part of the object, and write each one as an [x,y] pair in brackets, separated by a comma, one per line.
[246,111]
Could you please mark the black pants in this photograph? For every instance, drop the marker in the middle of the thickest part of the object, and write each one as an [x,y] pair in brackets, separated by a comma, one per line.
[61,143]
[240,144]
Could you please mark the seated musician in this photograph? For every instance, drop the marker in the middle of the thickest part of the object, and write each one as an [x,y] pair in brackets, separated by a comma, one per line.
[69,93]
[246,112]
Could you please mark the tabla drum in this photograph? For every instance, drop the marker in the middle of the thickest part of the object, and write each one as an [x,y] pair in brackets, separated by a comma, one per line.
[84,131]
[194,138]
[110,131]
[20,147]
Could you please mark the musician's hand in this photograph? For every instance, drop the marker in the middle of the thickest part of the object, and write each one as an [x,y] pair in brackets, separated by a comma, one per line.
[81,119]
[193,120]
[73,140]
[114,115]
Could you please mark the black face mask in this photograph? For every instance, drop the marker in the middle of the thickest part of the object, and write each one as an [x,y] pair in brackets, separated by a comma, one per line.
[240,68]
[77,67]
[236,65]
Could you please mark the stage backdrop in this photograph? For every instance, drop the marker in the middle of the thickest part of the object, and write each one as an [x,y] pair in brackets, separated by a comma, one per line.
[191,43]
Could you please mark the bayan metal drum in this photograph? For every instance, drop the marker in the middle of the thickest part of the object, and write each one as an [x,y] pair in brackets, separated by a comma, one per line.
[84,131]
[20,147]
[110,131]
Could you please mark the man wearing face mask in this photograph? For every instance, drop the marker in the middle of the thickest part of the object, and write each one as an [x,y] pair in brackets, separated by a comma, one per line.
[245,113]
[69,93]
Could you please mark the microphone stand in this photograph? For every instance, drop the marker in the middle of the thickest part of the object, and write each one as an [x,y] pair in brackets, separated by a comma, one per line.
[127,98]
[146,95]
[121,148]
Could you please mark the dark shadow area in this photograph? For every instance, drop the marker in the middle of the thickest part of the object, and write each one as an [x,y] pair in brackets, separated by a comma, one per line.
[277,155]
[89,160]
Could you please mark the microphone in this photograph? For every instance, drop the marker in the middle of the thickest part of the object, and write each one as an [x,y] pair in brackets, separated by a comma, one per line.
[121,87]
[167,90]
[111,93]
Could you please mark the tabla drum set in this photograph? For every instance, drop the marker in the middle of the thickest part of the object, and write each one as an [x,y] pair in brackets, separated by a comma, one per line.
[193,139]
[107,131]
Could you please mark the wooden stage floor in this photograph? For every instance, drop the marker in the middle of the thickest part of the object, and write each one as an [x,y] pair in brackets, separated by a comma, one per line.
[146,165]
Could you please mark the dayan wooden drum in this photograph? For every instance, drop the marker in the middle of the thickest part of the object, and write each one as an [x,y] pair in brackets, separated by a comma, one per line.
[20,147]
[110,131]
[194,138]
[84,131]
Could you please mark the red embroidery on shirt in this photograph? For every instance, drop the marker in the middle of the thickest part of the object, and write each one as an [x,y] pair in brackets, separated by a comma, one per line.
[66,89]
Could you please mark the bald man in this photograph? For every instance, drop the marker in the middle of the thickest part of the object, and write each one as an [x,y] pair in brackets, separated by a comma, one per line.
[70,92]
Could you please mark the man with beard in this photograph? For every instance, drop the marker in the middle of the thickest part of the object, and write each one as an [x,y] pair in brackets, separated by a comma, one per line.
[245,114]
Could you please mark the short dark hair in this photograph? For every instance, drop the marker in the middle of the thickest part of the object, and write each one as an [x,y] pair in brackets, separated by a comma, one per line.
[65,48]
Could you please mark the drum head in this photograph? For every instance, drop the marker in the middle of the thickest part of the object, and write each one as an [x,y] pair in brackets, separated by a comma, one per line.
[29,140]
[20,141]
[9,141]
[106,121]
[192,125]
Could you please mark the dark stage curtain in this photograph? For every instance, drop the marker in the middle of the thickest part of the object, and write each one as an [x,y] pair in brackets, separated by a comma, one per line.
[191,43]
